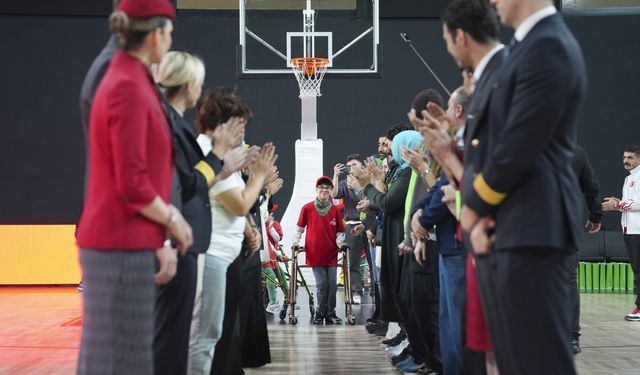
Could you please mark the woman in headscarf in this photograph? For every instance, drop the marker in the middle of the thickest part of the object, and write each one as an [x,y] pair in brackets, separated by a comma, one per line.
[392,203]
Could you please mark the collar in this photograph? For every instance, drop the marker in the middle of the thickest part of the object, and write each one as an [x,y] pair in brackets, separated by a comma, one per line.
[133,64]
[477,72]
[532,20]
[460,137]
[634,171]
[178,111]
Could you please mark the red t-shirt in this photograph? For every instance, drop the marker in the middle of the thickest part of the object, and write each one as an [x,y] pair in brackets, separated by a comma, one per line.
[320,241]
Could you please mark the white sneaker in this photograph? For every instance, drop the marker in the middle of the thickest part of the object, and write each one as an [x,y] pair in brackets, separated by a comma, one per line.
[357,299]
[396,350]
[273,308]
[634,316]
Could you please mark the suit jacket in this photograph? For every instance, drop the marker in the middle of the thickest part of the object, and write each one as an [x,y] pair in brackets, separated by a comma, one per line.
[193,169]
[435,213]
[131,160]
[518,155]
[588,184]
[88,90]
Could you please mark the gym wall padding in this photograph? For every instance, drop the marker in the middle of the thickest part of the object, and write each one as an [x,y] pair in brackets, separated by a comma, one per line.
[45,59]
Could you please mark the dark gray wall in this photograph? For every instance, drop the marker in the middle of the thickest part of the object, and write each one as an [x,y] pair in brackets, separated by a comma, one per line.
[45,59]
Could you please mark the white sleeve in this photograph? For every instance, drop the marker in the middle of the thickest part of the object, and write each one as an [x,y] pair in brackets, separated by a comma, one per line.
[274,234]
[233,181]
[298,235]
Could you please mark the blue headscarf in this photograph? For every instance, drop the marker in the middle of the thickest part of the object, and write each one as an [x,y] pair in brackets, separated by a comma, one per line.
[407,138]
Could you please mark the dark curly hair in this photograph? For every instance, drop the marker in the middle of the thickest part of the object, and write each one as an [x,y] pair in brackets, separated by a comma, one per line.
[217,106]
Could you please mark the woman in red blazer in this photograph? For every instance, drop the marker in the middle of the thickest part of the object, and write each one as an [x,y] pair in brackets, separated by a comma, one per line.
[125,217]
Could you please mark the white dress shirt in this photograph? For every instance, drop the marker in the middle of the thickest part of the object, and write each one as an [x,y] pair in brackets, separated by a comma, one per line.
[532,20]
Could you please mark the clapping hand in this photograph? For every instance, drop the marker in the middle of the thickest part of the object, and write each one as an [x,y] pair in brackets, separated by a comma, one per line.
[275,186]
[353,183]
[264,162]
[271,176]
[361,174]
[375,171]
[416,160]
[231,132]
[234,160]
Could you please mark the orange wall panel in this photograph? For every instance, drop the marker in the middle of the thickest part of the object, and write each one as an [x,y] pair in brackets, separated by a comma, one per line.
[38,254]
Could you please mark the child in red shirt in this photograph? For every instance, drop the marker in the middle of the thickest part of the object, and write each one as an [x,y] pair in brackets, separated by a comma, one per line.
[325,234]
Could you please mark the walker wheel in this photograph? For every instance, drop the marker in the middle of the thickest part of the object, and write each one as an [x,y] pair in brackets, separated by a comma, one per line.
[293,320]
[283,313]
[351,320]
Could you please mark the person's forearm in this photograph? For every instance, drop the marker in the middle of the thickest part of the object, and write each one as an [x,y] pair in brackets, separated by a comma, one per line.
[454,165]
[379,185]
[334,191]
[298,235]
[157,211]
[250,194]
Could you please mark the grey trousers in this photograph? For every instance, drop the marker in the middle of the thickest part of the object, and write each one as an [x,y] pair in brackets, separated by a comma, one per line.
[208,314]
[117,321]
[326,289]
[355,243]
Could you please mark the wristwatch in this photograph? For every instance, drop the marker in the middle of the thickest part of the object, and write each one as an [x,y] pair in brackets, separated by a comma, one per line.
[425,173]
[173,218]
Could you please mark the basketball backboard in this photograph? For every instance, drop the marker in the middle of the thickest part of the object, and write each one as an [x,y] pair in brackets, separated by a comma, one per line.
[272,32]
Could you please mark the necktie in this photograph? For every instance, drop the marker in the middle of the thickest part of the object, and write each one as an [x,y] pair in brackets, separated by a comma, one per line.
[509,49]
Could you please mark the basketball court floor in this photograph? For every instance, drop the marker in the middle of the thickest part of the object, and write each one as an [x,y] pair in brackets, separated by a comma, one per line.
[40,332]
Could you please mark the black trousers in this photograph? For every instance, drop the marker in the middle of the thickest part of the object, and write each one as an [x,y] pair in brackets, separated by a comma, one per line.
[632,241]
[574,295]
[227,358]
[172,319]
[525,295]
[425,296]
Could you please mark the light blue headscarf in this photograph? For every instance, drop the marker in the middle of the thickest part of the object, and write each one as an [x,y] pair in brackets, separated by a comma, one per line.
[407,138]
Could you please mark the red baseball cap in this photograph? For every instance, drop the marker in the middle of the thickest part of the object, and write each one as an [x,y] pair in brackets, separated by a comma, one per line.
[326,179]
[147,8]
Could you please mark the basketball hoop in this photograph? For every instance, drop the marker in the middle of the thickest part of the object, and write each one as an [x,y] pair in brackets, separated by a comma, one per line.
[309,72]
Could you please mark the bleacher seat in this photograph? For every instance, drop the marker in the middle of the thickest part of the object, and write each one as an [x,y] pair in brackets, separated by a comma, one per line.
[591,247]
[614,248]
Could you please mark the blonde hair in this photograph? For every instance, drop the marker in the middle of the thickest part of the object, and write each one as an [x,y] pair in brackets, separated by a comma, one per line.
[177,69]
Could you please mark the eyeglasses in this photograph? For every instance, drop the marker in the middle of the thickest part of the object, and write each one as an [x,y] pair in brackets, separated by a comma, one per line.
[324,188]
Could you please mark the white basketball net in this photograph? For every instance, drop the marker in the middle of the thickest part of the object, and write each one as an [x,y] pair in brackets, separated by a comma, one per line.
[309,75]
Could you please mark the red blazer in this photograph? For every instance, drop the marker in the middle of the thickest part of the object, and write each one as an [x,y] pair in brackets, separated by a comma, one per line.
[130,160]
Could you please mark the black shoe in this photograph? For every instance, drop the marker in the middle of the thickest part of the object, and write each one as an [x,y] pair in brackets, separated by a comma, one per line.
[318,319]
[401,357]
[575,345]
[380,331]
[425,370]
[376,325]
[395,340]
[332,319]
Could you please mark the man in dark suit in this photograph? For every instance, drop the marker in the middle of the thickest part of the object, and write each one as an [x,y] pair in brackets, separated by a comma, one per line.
[519,182]
[591,191]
